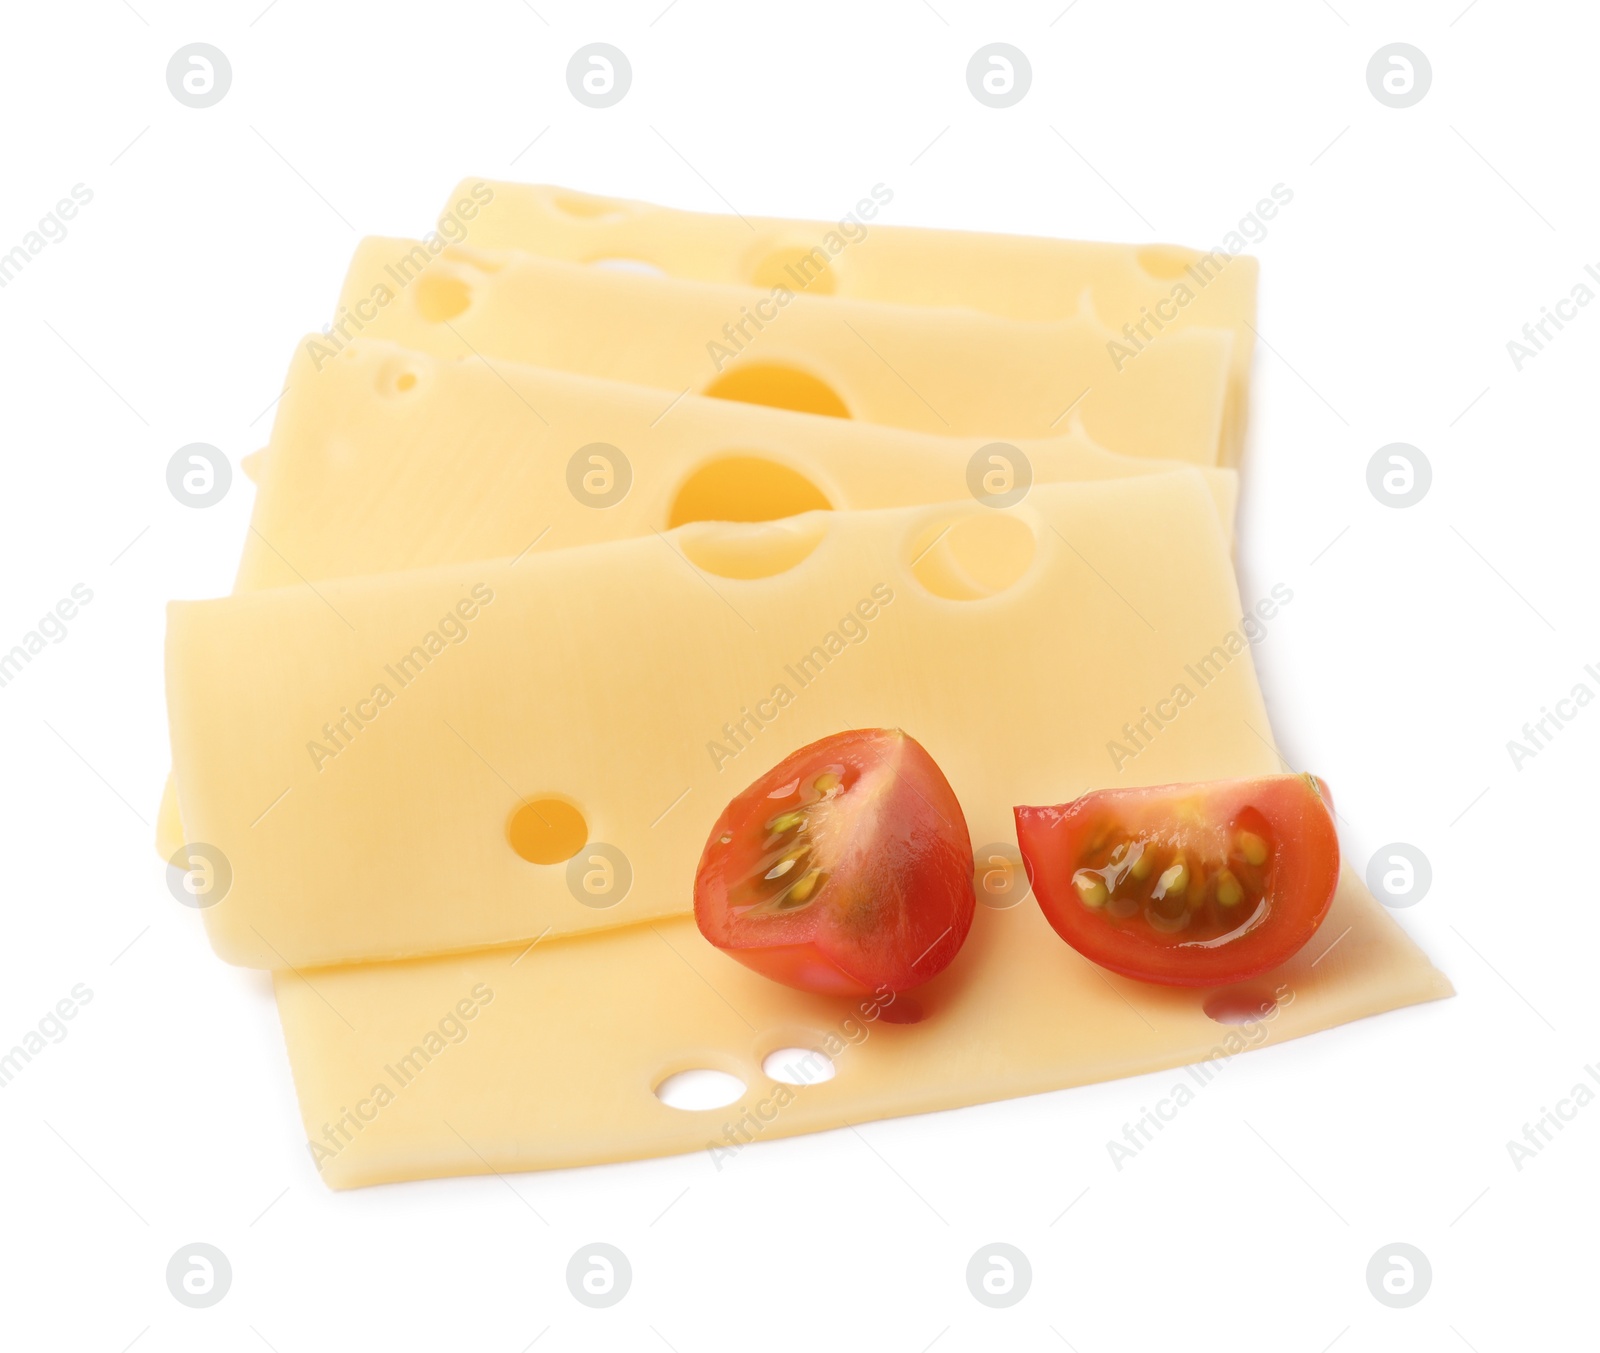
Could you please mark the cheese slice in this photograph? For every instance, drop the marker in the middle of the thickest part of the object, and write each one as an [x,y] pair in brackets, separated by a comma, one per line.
[1141,293]
[389,459]
[941,371]
[358,748]
[518,1059]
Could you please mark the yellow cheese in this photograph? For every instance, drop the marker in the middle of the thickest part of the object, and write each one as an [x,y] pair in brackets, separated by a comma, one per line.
[942,371]
[517,1059]
[1141,293]
[388,459]
[357,748]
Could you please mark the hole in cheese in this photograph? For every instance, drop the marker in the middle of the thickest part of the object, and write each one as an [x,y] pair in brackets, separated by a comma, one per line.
[587,208]
[759,550]
[441,296]
[744,488]
[797,267]
[546,831]
[1240,1006]
[778,387]
[971,557]
[1166,261]
[798,1066]
[635,265]
[699,1088]
[397,376]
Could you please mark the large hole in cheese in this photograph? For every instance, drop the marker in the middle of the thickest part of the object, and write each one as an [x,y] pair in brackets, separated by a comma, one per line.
[760,550]
[971,557]
[546,831]
[744,488]
[778,387]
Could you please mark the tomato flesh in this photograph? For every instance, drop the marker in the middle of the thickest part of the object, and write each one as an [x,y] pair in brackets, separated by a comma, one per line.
[846,869]
[1186,885]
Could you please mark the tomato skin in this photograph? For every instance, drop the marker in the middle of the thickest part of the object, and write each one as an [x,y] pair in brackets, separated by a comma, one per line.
[889,845]
[1288,811]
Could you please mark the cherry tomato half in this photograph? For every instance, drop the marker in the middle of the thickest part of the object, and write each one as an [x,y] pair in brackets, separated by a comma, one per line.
[1186,885]
[846,869]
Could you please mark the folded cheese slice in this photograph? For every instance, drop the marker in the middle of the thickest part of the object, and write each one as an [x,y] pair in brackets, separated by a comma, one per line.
[519,1059]
[1141,293]
[389,459]
[360,749]
[941,371]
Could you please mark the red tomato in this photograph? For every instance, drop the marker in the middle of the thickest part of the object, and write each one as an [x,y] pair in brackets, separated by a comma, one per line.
[845,869]
[1186,885]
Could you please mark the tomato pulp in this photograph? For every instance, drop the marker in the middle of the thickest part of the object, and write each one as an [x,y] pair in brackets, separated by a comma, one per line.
[846,869]
[1186,885]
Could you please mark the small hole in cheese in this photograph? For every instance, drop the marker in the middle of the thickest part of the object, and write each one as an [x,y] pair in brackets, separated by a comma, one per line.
[547,831]
[699,1088]
[798,1066]
[778,387]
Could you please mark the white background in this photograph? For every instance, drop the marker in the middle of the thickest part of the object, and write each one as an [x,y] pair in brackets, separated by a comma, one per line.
[1418,243]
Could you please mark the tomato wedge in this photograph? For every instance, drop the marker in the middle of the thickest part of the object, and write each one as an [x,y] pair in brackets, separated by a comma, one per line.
[846,869]
[1186,885]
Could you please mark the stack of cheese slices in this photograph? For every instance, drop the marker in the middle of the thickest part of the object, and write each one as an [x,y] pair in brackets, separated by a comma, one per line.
[580,516]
